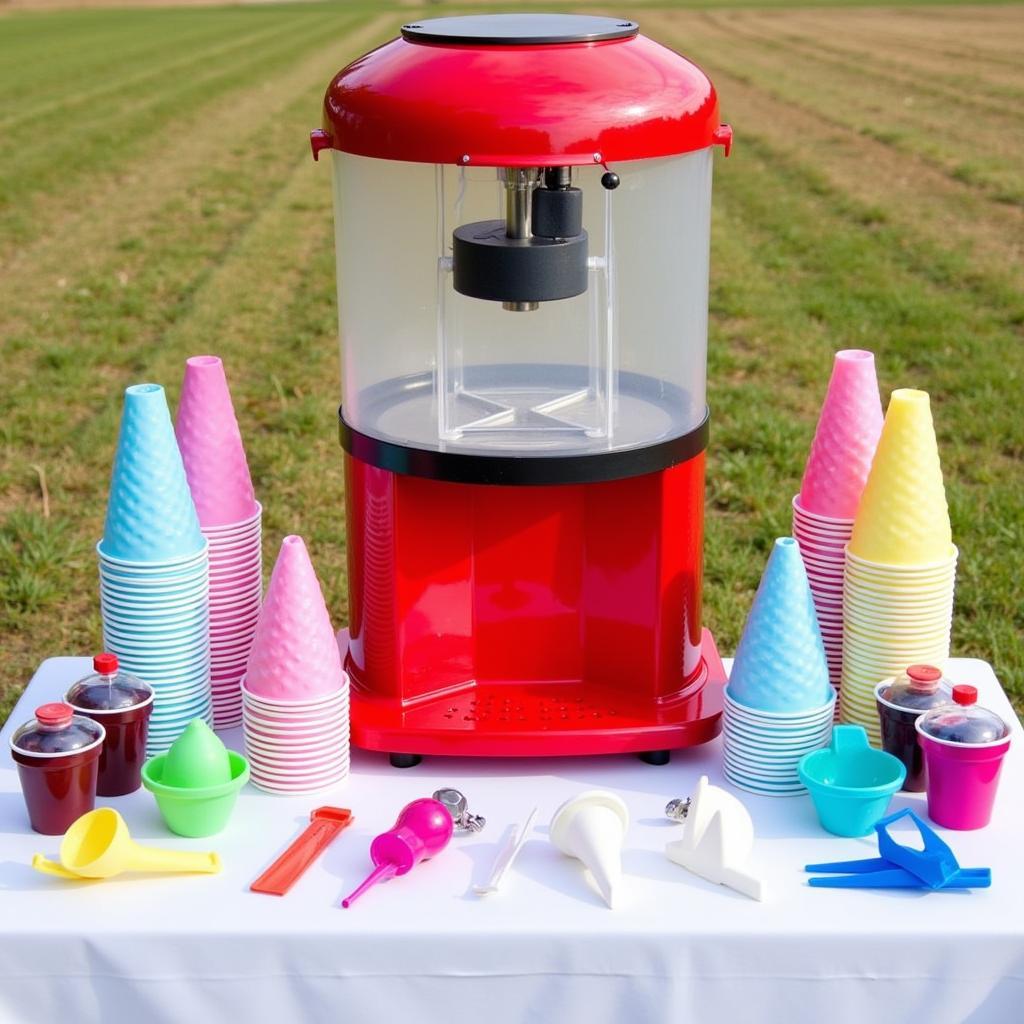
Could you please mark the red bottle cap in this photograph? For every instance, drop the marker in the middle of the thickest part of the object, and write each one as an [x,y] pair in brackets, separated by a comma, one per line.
[55,716]
[923,678]
[105,664]
[965,694]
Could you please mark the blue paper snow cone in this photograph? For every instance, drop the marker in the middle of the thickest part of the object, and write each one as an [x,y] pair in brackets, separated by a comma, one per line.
[150,514]
[780,663]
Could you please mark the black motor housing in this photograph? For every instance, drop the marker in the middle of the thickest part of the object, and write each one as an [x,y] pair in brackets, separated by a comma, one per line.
[551,263]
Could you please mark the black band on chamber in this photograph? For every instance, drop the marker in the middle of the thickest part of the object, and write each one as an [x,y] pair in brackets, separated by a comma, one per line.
[522,470]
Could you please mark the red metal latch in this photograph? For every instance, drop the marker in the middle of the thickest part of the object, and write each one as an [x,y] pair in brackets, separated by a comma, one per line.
[722,136]
[319,139]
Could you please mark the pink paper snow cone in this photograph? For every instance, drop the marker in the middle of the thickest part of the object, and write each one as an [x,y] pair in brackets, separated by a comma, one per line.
[294,654]
[844,443]
[211,445]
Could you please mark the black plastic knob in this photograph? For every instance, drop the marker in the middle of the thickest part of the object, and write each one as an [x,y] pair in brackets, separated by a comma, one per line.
[610,180]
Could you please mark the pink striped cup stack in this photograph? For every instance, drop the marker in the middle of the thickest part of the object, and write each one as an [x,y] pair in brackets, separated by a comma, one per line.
[230,519]
[295,694]
[834,477]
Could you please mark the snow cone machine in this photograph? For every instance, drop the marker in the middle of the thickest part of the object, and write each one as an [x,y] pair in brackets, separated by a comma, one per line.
[522,209]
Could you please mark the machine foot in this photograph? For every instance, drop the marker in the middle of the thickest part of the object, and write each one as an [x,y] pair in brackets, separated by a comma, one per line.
[405,760]
[655,756]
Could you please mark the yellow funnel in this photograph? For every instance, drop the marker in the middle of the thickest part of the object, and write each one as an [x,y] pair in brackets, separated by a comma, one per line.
[98,846]
[903,518]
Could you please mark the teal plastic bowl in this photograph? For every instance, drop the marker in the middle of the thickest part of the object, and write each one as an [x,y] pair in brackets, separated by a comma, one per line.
[850,782]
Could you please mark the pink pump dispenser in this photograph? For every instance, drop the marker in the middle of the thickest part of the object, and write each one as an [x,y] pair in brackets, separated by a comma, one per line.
[422,830]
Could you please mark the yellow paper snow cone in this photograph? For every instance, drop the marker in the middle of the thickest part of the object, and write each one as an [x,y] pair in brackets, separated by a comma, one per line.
[903,518]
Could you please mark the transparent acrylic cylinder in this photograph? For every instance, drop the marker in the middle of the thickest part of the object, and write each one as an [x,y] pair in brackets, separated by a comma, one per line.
[621,366]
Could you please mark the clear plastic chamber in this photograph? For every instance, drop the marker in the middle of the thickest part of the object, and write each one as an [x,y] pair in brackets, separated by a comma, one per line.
[620,366]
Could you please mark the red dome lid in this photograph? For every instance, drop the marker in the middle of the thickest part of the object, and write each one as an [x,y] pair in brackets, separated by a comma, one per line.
[519,91]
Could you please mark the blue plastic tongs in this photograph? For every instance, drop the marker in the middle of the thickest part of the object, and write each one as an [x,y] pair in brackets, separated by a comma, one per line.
[902,867]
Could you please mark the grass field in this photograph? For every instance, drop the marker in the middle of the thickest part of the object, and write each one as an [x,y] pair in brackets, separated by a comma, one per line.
[157,199]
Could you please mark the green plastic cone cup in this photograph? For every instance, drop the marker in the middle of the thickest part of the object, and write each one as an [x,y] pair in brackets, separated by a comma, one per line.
[195,812]
[197,760]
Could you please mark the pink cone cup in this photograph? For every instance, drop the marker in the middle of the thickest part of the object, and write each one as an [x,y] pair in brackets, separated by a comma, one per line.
[211,446]
[294,654]
[846,437]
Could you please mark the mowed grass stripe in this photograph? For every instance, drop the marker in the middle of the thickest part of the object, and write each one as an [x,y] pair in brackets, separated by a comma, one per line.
[887,72]
[244,270]
[135,79]
[89,114]
[975,238]
[974,71]
[86,215]
[896,67]
[137,282]
[988,35]
[961,145]
[269,311]
[875,285]
[981,36]
[126,291]
[795,277]
[215,257]
[764,303]
[39,44]
[143,124]
[36,78]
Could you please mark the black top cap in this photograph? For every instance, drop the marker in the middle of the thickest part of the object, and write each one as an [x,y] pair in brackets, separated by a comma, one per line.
[519,29]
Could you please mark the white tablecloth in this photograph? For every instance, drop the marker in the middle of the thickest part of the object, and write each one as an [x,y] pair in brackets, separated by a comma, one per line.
[424,948]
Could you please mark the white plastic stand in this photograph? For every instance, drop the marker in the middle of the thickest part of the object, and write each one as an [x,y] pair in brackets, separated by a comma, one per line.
[718,837]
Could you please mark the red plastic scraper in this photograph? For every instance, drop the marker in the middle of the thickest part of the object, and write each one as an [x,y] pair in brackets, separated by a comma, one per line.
[324,824]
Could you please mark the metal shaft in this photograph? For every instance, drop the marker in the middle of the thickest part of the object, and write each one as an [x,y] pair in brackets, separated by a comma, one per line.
[519,185]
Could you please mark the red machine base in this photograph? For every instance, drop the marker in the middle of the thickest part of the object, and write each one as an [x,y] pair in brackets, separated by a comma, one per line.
[539,719]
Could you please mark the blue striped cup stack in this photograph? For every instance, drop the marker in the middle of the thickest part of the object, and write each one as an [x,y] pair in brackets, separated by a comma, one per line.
[779,703]
[154,570]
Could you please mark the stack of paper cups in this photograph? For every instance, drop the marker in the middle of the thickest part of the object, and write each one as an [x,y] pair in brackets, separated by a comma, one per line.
[834,477]
[762,750]
[779,704]
[823,547]
[231,520]
[154,570]
[297,746]
[900,563]
[295,694]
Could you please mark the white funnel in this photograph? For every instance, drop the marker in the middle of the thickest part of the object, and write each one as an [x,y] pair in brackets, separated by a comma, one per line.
[718,837]
[591,828]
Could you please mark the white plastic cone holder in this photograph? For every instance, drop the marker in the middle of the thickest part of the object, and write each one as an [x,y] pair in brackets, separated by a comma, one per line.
[591,827]
[718,837]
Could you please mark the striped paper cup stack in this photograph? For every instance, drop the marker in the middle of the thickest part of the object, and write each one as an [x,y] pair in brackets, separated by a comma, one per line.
[900,563]
[154,570]
[834,478]
[295,694]
[779,704]
[231,520]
